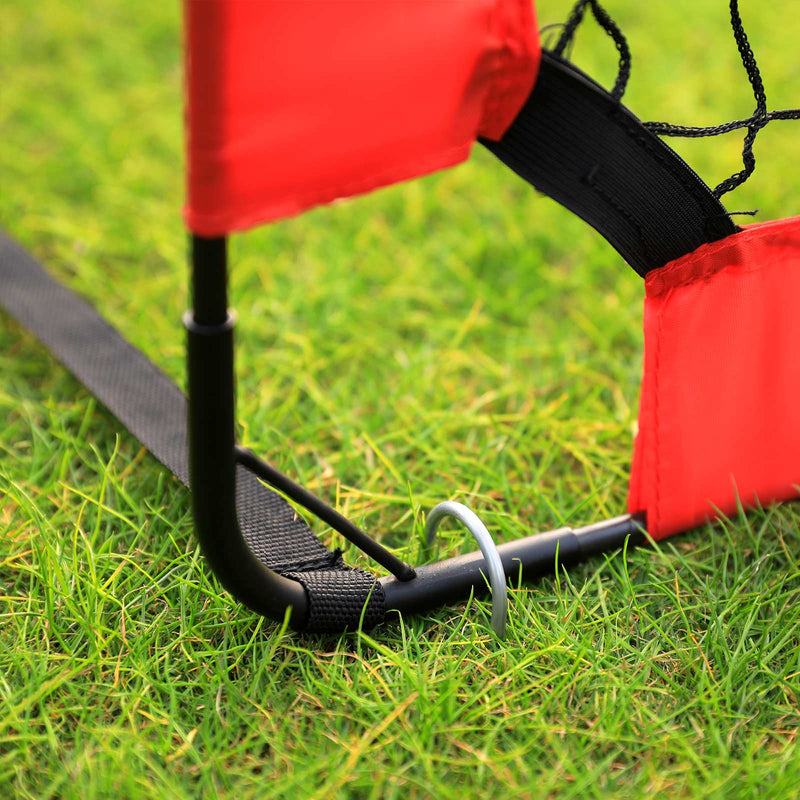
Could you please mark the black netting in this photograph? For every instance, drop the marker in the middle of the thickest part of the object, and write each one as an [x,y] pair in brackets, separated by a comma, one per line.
[753,123]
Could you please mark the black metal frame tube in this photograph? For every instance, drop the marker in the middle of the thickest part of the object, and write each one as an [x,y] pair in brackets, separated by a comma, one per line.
[212,462]
[454,579]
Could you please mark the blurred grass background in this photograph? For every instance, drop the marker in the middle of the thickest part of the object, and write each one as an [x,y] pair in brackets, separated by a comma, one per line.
[454,337]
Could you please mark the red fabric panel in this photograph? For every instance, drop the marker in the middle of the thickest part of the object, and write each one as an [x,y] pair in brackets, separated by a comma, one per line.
[291,104]
[719,418]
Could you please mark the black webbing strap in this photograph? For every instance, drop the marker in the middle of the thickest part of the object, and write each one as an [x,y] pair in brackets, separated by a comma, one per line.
[153,409]
[574,142]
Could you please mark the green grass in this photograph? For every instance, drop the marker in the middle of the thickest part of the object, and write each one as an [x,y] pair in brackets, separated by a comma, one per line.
[455,337]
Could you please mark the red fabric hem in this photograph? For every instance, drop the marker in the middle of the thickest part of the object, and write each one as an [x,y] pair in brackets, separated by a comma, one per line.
[224,222]
[728,253]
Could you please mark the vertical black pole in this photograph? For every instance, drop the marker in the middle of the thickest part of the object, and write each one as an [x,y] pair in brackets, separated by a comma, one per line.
[209,280]
[212,460]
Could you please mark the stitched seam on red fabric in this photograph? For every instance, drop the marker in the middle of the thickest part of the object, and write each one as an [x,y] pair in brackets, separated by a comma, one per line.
[517,63]
[508,68]
[657,423]
[495,90]
[522,64]
[661,275]
[635,480]
[657,282]
[711,276]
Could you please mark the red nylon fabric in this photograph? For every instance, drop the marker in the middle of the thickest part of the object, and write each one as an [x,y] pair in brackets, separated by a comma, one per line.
[719,422]
[291,104]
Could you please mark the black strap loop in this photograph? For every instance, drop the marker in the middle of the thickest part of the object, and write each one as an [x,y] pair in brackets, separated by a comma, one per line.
[574,142]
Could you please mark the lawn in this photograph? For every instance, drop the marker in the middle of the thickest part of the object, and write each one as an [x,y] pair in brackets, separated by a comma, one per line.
[456,337]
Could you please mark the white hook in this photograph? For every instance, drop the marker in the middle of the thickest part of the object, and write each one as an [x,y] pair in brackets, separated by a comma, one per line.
[494,565]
